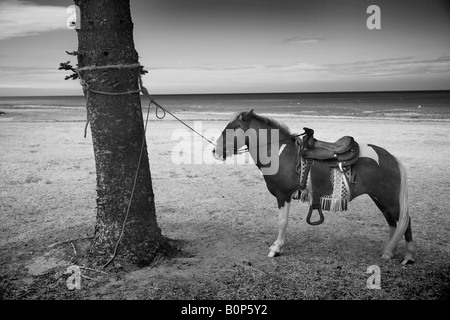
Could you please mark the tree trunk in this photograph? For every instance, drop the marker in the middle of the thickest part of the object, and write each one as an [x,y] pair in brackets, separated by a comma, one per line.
[104,39]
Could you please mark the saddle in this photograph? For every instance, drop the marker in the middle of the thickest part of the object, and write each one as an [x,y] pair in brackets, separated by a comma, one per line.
[344,151]
[320,156]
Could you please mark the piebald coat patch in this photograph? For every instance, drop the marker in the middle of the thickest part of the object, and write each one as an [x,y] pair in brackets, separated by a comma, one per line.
[366,151]
[282,148]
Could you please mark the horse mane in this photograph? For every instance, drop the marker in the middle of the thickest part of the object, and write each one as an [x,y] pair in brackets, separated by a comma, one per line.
[284,129]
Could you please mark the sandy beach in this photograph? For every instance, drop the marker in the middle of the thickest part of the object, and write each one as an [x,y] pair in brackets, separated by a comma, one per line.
[378,72]
[222,215]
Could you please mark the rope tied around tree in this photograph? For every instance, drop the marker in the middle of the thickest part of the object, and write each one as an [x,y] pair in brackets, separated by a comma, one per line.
[87,90]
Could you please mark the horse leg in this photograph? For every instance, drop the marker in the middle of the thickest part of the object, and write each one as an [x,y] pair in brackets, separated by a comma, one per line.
[277,246]
[392,222]
[410,246]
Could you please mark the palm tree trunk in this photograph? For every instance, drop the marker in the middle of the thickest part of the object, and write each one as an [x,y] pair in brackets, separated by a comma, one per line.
[106,39]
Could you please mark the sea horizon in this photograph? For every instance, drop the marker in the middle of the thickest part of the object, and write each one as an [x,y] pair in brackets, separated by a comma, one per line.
[245,93]
[433,104]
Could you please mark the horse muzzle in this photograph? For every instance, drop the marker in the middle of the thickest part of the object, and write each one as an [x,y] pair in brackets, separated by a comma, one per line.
[221,157]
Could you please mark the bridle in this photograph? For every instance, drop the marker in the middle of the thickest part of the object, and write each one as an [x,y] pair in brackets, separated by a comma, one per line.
[245,148]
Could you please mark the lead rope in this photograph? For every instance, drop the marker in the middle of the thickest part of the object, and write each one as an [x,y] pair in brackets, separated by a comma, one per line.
[132,192]
[142,89]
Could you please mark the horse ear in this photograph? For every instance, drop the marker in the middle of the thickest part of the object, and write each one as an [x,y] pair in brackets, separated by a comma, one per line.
[247,116]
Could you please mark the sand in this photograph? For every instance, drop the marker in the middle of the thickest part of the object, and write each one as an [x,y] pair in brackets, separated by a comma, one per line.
[222,216]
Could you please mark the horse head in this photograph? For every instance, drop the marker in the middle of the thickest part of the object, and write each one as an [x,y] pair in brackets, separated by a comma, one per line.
[233,136]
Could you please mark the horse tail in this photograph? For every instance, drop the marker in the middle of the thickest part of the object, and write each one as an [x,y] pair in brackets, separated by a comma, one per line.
[403,218]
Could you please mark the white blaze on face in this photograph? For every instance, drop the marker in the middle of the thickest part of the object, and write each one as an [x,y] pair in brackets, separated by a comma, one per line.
[366,151]
[218,152]
[281,149]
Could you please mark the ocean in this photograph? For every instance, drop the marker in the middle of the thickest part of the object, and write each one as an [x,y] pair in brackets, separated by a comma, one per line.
[405,104]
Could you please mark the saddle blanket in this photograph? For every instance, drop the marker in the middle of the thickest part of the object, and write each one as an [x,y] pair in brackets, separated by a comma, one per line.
[337,200]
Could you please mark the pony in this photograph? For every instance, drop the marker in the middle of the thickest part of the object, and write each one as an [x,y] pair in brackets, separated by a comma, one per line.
[378,174]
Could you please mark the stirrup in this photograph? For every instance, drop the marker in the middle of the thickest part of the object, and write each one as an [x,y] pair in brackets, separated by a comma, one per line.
[321,218]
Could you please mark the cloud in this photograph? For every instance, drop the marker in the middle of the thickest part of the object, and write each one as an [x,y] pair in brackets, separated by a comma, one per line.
[27,81]
[204,68]
[19,19]
[293,67]
[406,68]
[302,40]
[391,67]
[408,65]
[297,66]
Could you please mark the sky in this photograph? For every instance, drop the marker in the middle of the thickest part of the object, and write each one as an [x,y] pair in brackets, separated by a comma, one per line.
[242,46]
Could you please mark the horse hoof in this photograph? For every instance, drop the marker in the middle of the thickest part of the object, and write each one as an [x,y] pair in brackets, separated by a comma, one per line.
[273,254]
[387,255]
[276,247]
[408,260]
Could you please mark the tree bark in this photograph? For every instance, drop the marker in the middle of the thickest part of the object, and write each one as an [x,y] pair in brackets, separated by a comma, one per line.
[104,39]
